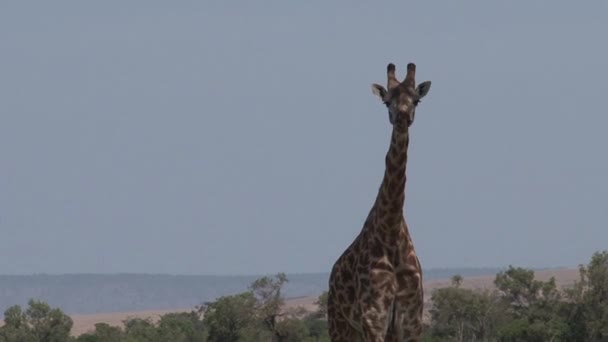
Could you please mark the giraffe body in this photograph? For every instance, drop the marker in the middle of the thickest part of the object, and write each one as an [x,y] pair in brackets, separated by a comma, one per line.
[375,286]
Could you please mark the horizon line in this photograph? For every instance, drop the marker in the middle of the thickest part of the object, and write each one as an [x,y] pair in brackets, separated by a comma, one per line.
[257,274]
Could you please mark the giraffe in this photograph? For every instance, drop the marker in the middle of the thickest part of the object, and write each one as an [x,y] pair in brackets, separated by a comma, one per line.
[375,286]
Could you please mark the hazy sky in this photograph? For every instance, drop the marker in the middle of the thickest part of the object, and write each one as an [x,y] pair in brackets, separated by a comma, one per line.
[229,137]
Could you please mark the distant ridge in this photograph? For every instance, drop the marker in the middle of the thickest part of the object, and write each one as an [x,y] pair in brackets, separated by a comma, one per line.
[97,293]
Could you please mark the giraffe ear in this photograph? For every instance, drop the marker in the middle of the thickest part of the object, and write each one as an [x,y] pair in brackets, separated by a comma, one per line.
[379,91]
[422,89]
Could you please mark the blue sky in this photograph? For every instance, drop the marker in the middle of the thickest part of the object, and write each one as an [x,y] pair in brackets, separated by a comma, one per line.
[232,137]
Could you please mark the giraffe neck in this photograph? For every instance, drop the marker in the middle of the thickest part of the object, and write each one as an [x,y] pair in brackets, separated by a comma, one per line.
[391,196]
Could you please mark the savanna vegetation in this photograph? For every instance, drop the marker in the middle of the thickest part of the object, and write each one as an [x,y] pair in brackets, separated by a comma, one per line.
[254,315]
[520,308]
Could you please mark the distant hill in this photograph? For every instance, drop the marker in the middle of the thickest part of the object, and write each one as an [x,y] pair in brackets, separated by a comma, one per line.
[97,293]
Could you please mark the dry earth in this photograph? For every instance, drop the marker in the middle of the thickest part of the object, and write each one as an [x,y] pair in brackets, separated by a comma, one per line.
[84,323]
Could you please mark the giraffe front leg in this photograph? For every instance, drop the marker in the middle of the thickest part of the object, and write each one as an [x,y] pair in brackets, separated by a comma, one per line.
[377,316]
[402,330]
[409,304]
[406,325]
[340,329]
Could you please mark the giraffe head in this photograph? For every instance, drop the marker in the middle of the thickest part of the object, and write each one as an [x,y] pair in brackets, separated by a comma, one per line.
[401,98]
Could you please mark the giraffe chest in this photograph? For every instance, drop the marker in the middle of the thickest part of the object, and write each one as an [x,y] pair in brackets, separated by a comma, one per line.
[396,249]
[395,266]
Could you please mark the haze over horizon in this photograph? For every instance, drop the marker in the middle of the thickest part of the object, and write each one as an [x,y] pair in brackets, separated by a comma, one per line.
[229,138]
